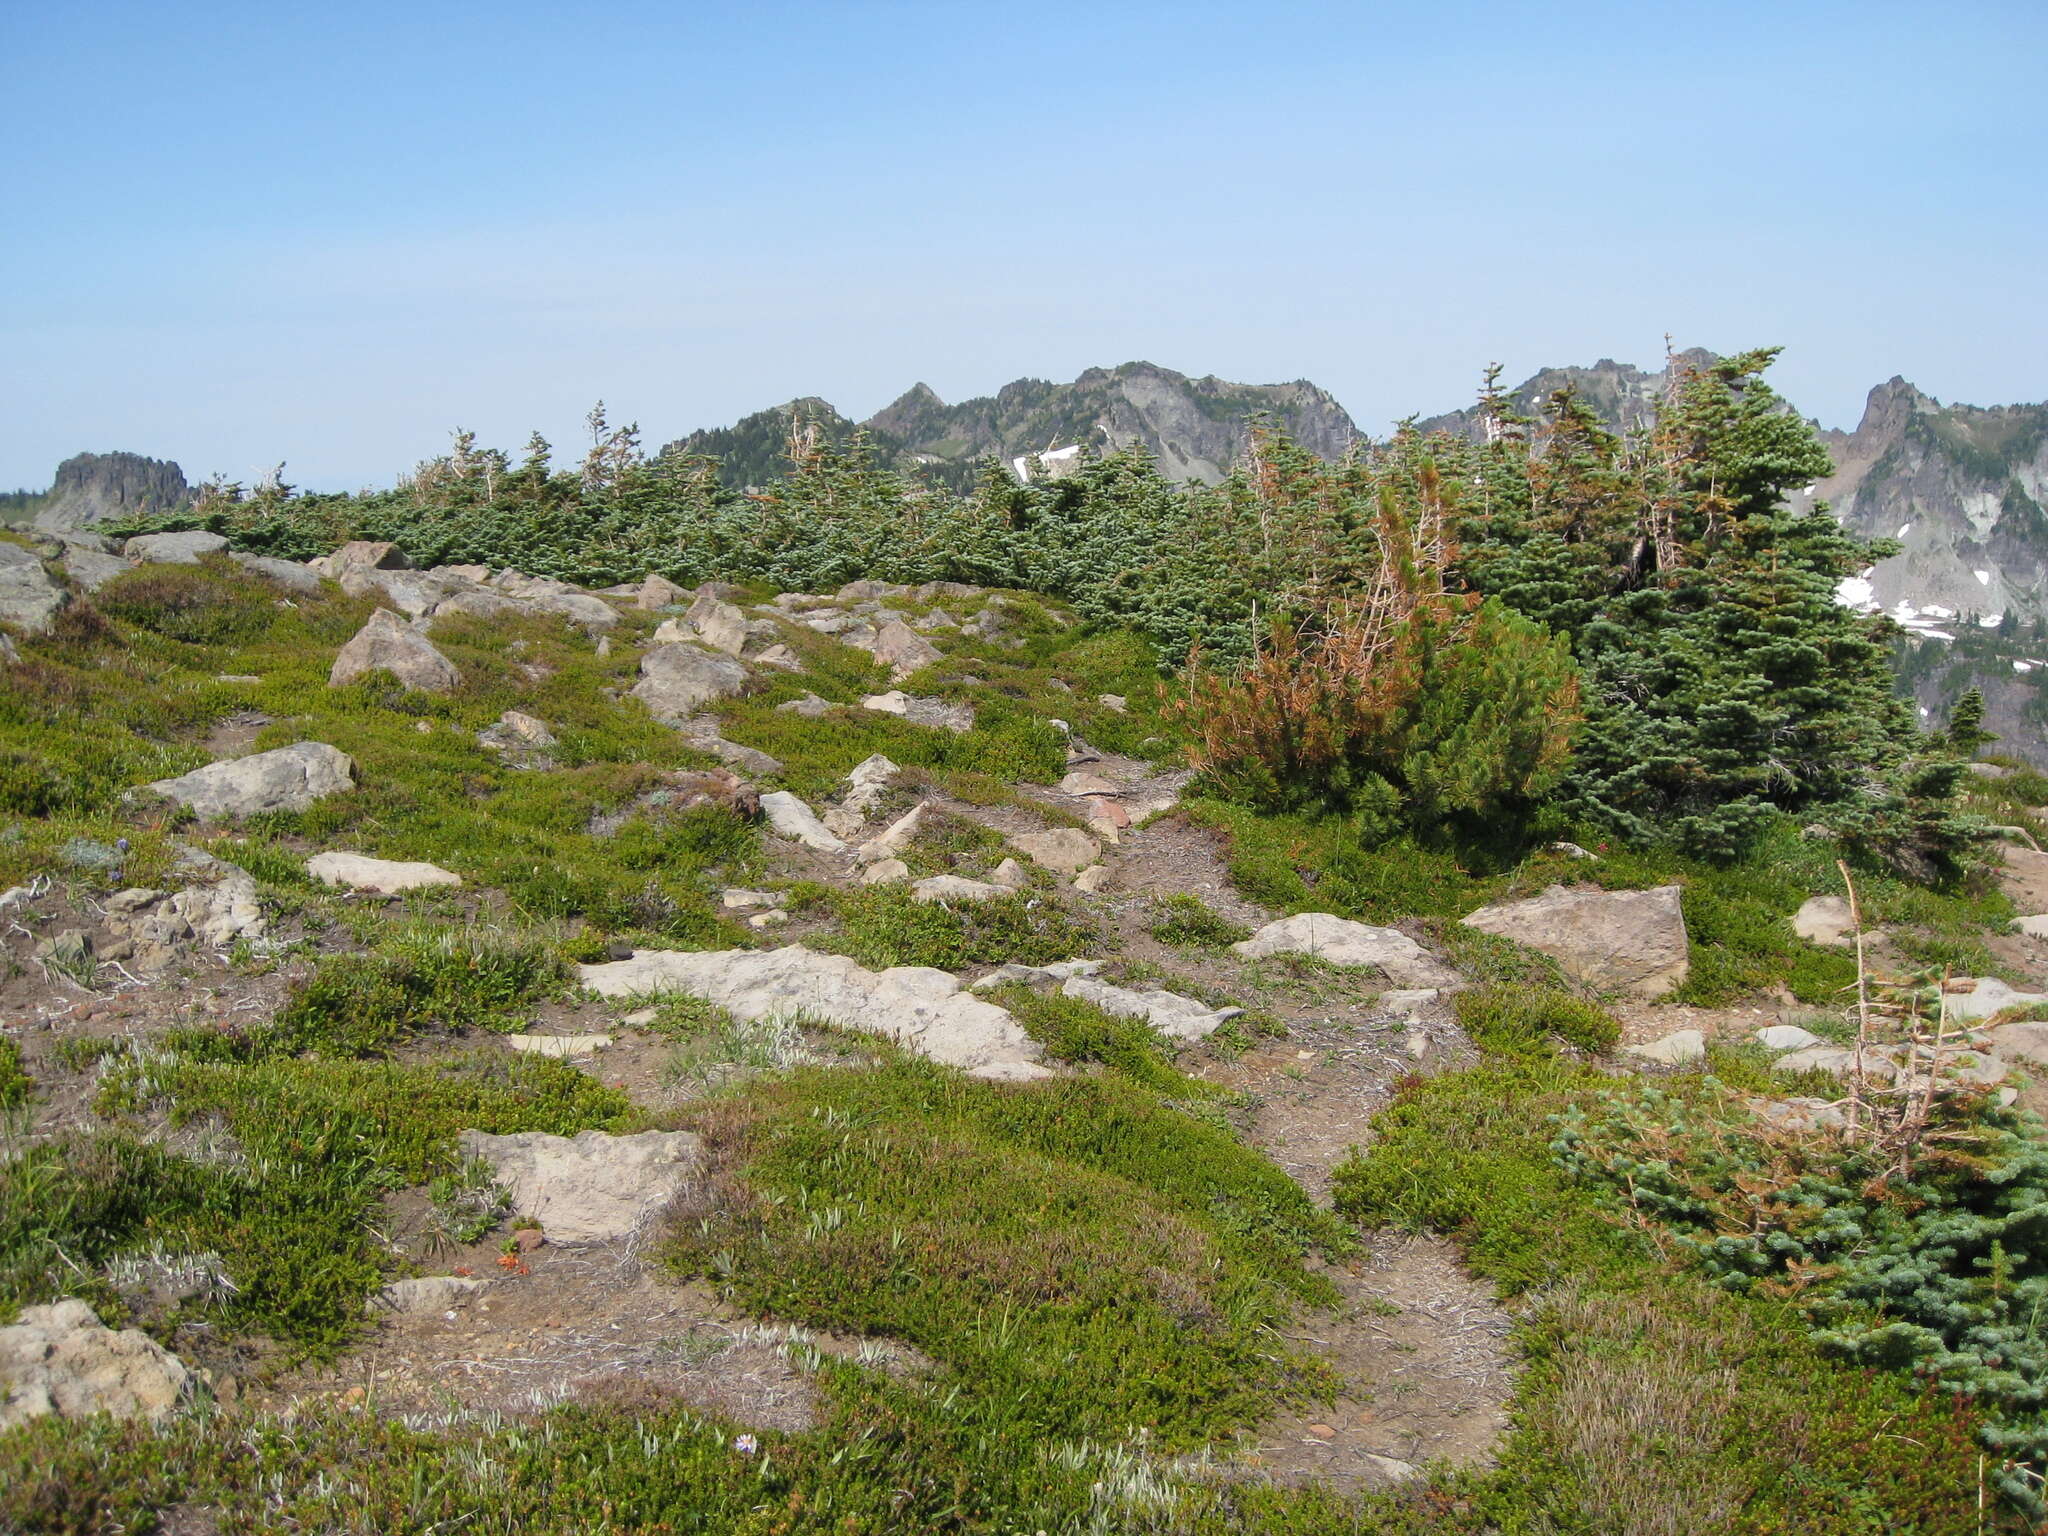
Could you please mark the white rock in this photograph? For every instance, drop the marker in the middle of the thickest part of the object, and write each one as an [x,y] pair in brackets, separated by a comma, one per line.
[894,702]
[62,1359]
[1181,1018]
[174,548]
[1115,702]
[885,872]
[922,1009]
[867,784]
[1825,920]
[592,1187]
[737,900]
[791,818]
[359,872]
[2034,927]
[1340,941]
[1788,1037]
[563,1047]
[287,779]
[1675,1049]
[774,918]
[1081,783]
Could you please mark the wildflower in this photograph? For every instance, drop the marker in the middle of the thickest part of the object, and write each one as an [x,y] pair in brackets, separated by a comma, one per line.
[746,1445]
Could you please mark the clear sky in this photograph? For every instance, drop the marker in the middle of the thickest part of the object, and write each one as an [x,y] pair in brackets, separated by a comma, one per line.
[329,233]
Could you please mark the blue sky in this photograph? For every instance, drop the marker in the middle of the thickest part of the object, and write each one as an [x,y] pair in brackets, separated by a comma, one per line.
[329,234]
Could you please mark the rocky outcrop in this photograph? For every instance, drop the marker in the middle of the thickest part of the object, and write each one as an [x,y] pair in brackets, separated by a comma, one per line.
[388,644]
[793,819]
[1613,941]
[592,1187]
[1177,1017]
[1063,850]
[1339,941]
[289,574]
[29,599]
[112,487]
[921,1009]
[287,779]
[62,1359]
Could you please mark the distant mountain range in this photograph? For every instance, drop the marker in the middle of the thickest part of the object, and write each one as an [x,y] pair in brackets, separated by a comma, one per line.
[1193,427]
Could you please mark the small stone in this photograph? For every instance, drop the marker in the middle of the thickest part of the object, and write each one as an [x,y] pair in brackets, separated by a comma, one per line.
[1010,873]
[1573,851]
[774,919]
[791,818]
[1322,1431]
[529,1239]
[1063,850]
[1081,783]
[894,702]
[737,900]
[1825,920]
[1115,702]
[885,872]
[1092,879]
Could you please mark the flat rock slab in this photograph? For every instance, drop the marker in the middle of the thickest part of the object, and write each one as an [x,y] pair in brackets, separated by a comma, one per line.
[1788,1037]
[1615,941]
[90,570]
[561,1047]
[1341,941]
[62,1359]
[1179,1018]
[425,1295]
[1825,920]
[2024,877]
[1989,996]
[2026,1042]
[287,779]
[922,1009]
[1675,1049]
[592,1187]
[360,872]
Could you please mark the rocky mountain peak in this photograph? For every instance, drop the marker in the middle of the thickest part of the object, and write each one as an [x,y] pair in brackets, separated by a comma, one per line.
[106,487]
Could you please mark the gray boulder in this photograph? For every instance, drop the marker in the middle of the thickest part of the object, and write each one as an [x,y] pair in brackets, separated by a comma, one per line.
[174,548]
[1673,1050]
[29,599]
[388,644]
[287,779]
[657,592]
[289,574]
[1341,941]
[362,555]
[1179,1018]
[1614,941]
[62,1359]
[592,1187]
[678,680]
[90,570]
[1063,850]
[718,624]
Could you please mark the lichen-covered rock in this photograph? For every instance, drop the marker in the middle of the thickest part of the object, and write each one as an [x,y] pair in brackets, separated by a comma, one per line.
[1180,1018]
[287,779]
[90,570]
[62,1359]
[289,574]
[1614,941]
[388,644]
[921,1009]
[592,1187]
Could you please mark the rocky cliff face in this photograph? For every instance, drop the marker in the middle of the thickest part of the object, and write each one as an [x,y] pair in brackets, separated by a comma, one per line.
[1961,488]
[1623,395]
[106,487]
[1194,427]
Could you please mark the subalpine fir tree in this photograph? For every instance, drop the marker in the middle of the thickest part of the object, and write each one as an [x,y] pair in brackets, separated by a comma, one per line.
[1966,733]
